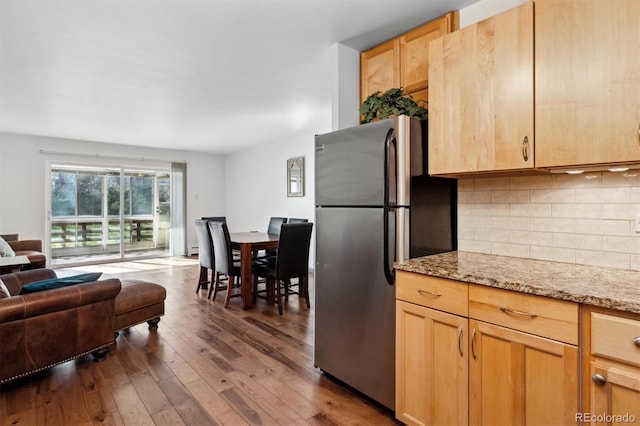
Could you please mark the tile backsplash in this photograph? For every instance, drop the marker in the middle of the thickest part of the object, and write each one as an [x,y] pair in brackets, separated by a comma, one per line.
[587,218]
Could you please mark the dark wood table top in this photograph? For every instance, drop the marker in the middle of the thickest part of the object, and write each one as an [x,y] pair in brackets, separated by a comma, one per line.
[252,237]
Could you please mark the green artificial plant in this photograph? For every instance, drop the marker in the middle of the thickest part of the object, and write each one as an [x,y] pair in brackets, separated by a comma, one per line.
[390,103]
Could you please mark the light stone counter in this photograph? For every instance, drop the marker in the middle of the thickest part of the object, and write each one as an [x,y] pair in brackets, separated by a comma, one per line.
[606,287]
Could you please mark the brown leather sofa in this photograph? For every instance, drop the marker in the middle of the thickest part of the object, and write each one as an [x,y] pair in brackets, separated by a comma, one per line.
[30,248]
[40,330]
[43,329]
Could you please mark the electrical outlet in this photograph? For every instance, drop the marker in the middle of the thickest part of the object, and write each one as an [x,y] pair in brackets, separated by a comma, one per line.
[637,223]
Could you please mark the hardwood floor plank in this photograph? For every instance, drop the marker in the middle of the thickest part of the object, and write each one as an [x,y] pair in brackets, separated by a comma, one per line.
[205,365]
[22,418]
[130,406]
[269,402]
[97,407]
[321,419]
[247,408]
[306,407]
[71,394]
[185,404]
[143,352]
[150,393]
[129,361]
[112,415]
[216,406]
[168,417]
[207,370]
[277,332]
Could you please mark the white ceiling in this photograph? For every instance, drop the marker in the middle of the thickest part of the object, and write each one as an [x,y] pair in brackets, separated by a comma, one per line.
[202,75]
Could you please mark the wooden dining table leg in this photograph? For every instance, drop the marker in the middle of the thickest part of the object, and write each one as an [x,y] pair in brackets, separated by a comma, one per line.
[245,276]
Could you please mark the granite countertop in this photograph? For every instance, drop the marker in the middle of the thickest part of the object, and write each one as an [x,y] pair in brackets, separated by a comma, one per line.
[607,287]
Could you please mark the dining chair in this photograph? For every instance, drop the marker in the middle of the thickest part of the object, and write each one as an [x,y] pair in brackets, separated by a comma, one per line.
[224,261]
[205,254]
[269,256]
[236,253]
[274,225]
[215,218]
[292,261]
[297,220]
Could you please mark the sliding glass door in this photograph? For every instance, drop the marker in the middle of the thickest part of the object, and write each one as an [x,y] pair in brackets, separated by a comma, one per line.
[102,214]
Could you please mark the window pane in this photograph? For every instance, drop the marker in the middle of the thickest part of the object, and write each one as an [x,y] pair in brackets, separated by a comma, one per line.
[164,190]
[89,195]
[127,195]
[113,195]
[141,195]
[63,194]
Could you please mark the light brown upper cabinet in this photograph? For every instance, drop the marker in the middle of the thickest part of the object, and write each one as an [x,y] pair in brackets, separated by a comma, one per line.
[481,96]
[414,52]
[587,82]
[404,60]
[380,68]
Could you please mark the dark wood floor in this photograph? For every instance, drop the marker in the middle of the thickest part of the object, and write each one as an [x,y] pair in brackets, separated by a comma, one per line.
[205,365]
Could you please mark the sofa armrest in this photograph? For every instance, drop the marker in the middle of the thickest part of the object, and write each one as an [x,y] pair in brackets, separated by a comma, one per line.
[44,302]
[26,245]
[15,281]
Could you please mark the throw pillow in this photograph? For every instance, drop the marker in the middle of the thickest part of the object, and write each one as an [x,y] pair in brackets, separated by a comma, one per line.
[59,282]
[4,291]
[5,249]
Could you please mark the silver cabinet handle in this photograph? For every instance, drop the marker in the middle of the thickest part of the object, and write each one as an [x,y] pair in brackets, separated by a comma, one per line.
[429,293]
[599,379]
[511,311]
[460,341]
[636,341]
[473,343]
[525,148]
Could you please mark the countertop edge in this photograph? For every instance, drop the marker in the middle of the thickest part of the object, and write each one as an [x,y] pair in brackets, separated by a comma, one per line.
[433,266]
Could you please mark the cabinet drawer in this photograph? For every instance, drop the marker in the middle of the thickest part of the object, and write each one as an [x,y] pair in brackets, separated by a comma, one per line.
[437,293]
[542,316]
[613,337]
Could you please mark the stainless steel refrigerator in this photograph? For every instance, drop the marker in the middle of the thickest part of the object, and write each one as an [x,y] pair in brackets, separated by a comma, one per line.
[375,205]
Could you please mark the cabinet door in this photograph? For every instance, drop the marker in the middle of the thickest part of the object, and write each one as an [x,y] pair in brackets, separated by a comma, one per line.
[587,82]
[380,68]
[615,391]
[414,52]
[431,366]
[481,96]
[517,378]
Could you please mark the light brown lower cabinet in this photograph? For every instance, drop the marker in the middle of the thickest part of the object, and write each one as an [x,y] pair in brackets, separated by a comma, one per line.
[454,369]
[432,373]
[611,384]
[517,378]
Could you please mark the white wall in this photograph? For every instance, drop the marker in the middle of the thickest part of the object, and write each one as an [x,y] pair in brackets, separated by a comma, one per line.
[23,179]
[256,184]
[345,87]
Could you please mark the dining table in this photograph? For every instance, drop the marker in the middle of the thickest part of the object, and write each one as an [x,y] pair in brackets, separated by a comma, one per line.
[247,243]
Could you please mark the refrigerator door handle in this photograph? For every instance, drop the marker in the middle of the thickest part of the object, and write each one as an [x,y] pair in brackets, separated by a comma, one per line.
[389,272]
